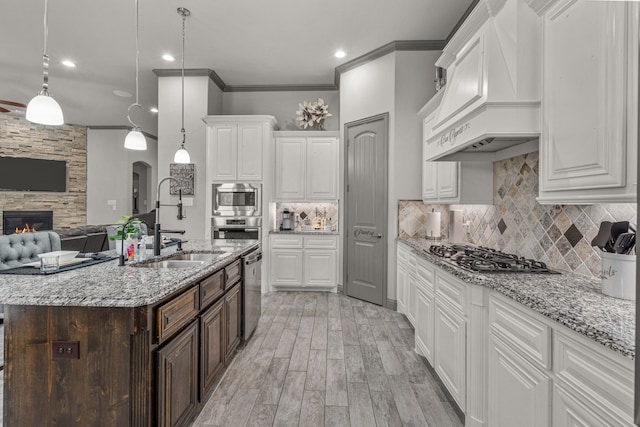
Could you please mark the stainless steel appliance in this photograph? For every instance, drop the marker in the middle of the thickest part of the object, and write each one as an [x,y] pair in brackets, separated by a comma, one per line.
[236,228]
[236,199]
[487,260]
[251,292]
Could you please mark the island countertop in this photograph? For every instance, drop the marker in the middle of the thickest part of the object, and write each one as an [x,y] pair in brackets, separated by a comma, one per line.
[108,285]
[572,300]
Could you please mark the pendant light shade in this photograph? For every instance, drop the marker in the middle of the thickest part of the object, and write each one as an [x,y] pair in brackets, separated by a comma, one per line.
[182,155]
[43,109]
[135,140]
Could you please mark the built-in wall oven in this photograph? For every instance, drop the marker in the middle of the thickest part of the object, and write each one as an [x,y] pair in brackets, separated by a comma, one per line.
[236,227]
[236,199]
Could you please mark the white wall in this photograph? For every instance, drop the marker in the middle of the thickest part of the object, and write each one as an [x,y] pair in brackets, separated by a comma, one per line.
[399,84]
[201,98]
[282,105]
[110,173]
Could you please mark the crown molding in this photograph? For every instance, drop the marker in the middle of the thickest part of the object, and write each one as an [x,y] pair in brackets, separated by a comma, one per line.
[115,127]
[279,88]
[463,18]
[192,72]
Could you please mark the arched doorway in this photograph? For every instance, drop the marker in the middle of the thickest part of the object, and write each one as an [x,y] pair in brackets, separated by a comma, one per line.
[141,191]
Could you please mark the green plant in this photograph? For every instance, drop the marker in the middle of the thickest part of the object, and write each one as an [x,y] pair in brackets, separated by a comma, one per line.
[132,227]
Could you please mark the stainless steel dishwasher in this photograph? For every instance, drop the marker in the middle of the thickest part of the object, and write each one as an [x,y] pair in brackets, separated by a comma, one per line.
[251,292]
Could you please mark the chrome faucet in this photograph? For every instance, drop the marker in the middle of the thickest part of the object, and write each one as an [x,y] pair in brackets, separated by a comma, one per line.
[157,231]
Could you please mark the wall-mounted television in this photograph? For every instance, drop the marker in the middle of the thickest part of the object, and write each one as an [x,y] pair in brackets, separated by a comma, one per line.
[25,174]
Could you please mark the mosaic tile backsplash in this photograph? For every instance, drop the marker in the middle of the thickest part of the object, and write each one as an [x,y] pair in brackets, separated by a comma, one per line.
[308,212]
[558,235]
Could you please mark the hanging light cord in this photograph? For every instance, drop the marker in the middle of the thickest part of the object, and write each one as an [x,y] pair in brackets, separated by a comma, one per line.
[137,103]
[45,57]
[184,12]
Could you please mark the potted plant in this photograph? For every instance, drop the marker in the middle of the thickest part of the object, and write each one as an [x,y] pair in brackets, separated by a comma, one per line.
[125,231]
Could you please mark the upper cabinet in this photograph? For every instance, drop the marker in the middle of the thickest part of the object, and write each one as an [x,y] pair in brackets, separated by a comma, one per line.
[306,166]
[235,146]
[589,135]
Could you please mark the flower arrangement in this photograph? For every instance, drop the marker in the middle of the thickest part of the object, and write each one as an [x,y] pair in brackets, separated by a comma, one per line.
[134,227]
[312,114]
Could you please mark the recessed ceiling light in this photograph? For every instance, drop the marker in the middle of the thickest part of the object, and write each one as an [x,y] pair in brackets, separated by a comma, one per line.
[168,57]
[68,63]
[122,94]
[153,109]
[340,54]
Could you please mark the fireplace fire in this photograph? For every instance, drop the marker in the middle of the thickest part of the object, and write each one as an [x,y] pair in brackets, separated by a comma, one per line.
[26,229]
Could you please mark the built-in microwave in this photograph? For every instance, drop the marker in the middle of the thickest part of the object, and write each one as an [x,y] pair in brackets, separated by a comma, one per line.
[236,199]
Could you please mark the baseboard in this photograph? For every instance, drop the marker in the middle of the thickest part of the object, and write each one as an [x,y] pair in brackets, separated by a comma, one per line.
[391,304]
[340,289]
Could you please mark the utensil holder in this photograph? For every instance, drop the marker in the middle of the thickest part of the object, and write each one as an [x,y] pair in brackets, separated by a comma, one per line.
[618,275]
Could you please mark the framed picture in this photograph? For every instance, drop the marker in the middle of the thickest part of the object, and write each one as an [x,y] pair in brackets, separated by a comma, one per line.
[186,174]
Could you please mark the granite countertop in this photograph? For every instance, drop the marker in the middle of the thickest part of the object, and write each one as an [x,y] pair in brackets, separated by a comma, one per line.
[573,300]
[108,285]
[306,232]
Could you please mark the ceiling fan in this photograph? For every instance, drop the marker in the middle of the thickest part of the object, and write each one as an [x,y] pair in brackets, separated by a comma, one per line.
[13,107]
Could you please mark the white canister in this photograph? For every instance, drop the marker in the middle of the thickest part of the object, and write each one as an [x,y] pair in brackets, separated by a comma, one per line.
[619,275]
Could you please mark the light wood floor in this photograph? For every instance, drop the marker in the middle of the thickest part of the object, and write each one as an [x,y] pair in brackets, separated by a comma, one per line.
[319,359]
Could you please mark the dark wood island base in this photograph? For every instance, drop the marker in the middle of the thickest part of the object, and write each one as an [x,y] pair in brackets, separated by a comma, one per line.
[145,366]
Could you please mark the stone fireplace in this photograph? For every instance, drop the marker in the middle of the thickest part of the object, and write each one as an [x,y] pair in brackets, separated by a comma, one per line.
[16,221]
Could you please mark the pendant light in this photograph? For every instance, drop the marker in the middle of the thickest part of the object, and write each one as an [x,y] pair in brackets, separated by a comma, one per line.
[135,140]
[43,109]
[182,155]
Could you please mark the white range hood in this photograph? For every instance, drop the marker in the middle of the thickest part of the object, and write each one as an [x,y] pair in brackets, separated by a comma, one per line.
[490,108]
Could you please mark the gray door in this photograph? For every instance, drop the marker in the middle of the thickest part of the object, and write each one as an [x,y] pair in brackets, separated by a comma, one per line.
[366,209]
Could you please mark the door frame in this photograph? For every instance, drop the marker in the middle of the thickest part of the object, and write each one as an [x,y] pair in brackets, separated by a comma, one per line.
[385,215]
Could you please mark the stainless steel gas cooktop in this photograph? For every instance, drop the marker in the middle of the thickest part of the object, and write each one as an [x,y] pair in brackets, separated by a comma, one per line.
[487,260]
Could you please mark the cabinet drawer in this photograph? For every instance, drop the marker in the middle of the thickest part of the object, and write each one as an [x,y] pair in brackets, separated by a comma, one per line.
[522,331]
[320,242]
[176,313]
[232,273]
[285,242]
[596,378]
[403,253]
[451,292]
[211,288]
[425,276]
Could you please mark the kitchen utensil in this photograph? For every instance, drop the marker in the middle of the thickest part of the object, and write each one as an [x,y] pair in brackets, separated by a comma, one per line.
[617,228]
[623,242]
[286,220]
[604,235]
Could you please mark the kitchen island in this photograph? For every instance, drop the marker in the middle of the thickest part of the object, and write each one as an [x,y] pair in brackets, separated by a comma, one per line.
[110,345]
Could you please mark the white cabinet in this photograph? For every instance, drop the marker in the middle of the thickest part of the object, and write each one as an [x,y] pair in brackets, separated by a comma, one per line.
[306,166]
[425,308]
[589,138]
[303,262]
[401,286]
[235,147]
[450,350]
[519,393]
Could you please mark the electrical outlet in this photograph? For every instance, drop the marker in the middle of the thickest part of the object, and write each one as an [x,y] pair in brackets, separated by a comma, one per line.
[65,349]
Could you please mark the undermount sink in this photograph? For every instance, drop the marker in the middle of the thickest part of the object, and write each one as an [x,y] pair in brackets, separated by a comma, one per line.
[170,263]
[204,257]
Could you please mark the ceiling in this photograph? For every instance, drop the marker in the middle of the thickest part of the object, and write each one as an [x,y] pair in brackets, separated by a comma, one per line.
[246,42]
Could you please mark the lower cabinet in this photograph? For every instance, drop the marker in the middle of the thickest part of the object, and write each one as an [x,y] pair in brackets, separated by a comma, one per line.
[401,286]
[233,311]
[519,393]
[302,261]
[178,378]
[212,349]
[450,350]
[425,307]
